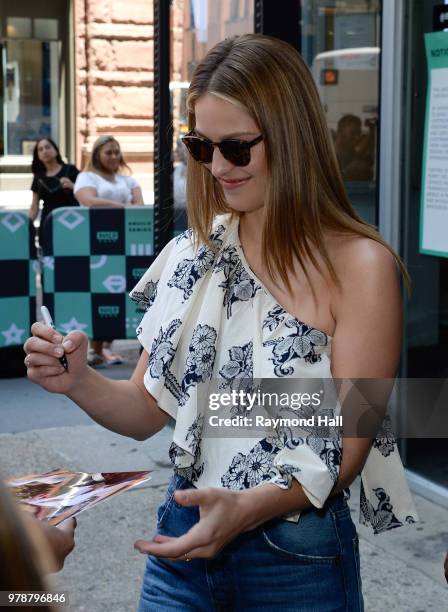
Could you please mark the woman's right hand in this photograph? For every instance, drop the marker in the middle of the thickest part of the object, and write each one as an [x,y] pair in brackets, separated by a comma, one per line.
[43,350]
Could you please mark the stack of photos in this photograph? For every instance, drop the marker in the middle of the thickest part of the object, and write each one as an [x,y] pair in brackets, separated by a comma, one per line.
[61,493]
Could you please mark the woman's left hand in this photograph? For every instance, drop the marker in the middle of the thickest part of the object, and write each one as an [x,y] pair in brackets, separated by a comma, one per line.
[66,183]
[223,516]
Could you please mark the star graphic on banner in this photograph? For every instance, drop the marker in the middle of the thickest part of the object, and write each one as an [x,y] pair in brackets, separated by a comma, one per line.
[13,335]
[73,325]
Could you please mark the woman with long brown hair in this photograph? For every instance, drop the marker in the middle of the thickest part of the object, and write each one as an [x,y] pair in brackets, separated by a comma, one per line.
[106,182]
[277,279]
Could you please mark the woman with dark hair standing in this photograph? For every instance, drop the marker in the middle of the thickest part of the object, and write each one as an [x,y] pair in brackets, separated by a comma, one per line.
[277,279]
[53,180]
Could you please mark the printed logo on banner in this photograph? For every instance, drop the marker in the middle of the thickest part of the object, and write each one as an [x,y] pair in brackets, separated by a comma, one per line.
[72,311]
[107,237]
[102,260]
[13,335]
[141,249]
[115,284]
[70,219]
[139,231]
[137,273]
[107,274]
[106,231]
[71,231]
[13,222]
[135,268]
[108,315]
[73,325]
[109,311]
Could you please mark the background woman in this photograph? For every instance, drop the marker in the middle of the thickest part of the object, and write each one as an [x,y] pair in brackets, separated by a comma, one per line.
[277,279]
[53,180]
[103,184]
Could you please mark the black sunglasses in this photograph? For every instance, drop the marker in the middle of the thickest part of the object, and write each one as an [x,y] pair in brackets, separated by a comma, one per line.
[236,152]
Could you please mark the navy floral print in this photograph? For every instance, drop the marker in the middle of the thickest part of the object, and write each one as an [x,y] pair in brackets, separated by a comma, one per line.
[189,271]
[145,298]
[238,285]
[249,470]
[208,319]
[274,317]
[199,363]
[298,345]
[162,350]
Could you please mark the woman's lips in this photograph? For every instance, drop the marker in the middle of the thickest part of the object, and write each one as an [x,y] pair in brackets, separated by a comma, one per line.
[232,184]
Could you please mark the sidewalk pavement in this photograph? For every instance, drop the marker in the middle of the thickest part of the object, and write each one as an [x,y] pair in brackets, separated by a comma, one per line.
[401,570]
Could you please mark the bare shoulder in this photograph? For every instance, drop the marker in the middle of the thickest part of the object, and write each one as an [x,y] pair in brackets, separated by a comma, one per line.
[361,261]
[367,308]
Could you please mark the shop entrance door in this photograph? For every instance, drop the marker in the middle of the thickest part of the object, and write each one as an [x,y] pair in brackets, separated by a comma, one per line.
[30,93]
[426,337]
[33,39]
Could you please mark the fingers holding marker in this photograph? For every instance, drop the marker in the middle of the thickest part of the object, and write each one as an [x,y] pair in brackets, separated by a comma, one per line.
[39,330]
[73,341]
[36,344]
[41,372]
[37,360]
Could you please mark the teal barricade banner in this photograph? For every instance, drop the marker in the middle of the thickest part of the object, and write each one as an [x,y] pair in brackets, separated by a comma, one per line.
[92,258]
[18,273]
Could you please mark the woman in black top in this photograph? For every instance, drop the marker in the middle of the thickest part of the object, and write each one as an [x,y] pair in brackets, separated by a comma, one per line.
[53,180]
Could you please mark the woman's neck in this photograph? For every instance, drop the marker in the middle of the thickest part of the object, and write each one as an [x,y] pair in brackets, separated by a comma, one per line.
[109,176]
[251,230]
[52,167]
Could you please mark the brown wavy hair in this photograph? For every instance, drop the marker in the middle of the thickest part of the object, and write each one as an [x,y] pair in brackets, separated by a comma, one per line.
[305,192]
[94,162]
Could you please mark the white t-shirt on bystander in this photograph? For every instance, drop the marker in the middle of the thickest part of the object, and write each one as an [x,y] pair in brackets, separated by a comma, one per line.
[119,190]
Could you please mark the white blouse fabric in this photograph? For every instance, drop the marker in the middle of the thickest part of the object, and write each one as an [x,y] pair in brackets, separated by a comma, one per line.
[208,317]
[119,190]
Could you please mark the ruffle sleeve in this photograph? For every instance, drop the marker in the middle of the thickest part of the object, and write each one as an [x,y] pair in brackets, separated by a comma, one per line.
[170,294]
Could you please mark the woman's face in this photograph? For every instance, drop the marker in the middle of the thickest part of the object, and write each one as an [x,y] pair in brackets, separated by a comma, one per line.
[110,156]
[244,186]
[46,151]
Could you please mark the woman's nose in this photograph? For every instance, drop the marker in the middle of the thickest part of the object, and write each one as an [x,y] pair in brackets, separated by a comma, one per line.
[220,165]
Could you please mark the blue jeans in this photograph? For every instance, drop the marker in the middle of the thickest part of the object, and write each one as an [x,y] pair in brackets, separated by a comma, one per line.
[309,566]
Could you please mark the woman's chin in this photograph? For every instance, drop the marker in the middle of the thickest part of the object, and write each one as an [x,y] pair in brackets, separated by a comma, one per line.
[241,207]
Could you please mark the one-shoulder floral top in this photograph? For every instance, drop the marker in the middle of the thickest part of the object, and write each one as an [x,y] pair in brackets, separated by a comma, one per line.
[208,317]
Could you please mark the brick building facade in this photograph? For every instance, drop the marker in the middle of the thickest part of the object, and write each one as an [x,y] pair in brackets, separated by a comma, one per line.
[79,69]
[113,75]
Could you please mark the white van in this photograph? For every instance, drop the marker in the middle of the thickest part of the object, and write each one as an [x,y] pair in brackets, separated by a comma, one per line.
[348,81]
